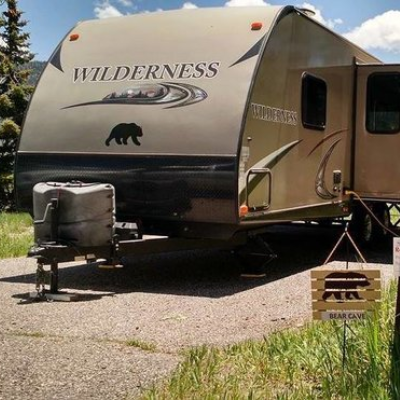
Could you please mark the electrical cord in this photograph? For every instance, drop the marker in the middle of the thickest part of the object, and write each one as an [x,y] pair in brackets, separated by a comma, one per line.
[370,212]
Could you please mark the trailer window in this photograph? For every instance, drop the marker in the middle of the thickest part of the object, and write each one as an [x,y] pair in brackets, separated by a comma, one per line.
[313,105]
[383,103]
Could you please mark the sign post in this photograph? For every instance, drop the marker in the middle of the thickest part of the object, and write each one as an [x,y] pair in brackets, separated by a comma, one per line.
[344,295]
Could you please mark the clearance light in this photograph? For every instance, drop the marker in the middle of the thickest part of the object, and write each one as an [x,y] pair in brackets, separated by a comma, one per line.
[256,26]
[73,37]
[243,210]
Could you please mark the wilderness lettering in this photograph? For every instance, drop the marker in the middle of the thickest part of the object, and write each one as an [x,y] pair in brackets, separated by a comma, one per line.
[122,73]
[272,114]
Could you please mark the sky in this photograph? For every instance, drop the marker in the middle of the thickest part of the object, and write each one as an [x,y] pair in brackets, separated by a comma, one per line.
[372,24]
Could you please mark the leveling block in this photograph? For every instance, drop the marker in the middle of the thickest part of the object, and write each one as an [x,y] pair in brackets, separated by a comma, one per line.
[60,296]
[344,294]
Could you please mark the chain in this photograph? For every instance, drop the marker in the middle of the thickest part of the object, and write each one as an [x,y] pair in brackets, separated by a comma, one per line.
[42,278]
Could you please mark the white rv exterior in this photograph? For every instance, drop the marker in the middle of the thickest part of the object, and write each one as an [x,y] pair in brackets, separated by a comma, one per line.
[211,121]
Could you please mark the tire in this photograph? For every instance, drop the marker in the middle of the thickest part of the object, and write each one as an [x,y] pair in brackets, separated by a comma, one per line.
[365,228]
[361,225]
[381,211]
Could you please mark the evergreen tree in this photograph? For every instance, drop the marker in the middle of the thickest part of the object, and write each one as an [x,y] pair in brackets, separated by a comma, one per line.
[14,93]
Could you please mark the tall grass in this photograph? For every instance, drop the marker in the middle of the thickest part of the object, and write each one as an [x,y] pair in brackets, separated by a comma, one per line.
[294,364]
[394,215]
[15,234]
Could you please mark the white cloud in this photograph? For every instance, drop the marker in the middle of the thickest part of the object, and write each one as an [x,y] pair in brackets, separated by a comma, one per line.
[106,10]
[381,32]
[189,6]
[148,11]
[243,3]
[330,23]
[126,3]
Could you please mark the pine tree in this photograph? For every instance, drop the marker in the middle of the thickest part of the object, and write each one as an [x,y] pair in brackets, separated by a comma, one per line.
[14,93]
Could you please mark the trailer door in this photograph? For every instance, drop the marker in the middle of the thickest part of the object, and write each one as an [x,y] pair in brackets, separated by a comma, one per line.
[377,133]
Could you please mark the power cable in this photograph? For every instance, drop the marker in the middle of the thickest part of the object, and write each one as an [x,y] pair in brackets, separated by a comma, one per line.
[370,212]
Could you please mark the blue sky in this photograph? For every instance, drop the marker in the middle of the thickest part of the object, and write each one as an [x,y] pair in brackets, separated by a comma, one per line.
[373,24]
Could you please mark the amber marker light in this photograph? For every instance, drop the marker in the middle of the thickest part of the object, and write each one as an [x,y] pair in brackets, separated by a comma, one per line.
[256,26]
[74,37]
[243,210]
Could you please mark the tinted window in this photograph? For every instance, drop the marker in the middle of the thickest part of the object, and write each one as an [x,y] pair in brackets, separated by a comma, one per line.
[383,103]
[313,102]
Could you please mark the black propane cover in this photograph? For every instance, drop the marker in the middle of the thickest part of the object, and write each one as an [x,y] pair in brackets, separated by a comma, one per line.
[74,214]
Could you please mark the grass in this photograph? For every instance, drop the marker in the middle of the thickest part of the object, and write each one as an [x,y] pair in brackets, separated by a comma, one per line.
[295,365]
[16,235]
[141,345]
[394,215]
[37,335]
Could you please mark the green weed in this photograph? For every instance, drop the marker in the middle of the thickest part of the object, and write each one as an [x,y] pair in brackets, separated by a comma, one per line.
[16,234]
[37,335]
[141,345]
[295,364]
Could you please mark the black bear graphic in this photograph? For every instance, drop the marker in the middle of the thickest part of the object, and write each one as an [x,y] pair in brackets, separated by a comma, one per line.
[347,287]
[122,132]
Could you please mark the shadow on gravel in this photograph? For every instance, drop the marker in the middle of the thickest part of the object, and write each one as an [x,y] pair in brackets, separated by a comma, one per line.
[209,273]
[317,242]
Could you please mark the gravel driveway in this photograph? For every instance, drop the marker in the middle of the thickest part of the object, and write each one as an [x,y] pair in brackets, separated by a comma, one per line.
[167,302]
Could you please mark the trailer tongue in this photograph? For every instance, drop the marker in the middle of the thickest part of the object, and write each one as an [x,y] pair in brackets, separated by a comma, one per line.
[76,222]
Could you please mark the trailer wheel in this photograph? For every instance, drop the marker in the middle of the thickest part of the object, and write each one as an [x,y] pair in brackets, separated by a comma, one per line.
[365,229]
[381,211]
[361,225]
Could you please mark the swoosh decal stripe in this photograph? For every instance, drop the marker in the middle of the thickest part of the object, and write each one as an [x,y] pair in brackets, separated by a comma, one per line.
[255,50]
[184,95]
[320,185]
[267,162]
[325,139]
[56,59]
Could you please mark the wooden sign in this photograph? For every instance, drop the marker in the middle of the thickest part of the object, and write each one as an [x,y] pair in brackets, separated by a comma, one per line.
[344,294]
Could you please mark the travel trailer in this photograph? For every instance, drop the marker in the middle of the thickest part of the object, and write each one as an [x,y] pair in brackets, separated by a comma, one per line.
[204,124]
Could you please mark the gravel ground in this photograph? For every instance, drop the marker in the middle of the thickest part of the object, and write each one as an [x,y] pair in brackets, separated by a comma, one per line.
[78,350]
